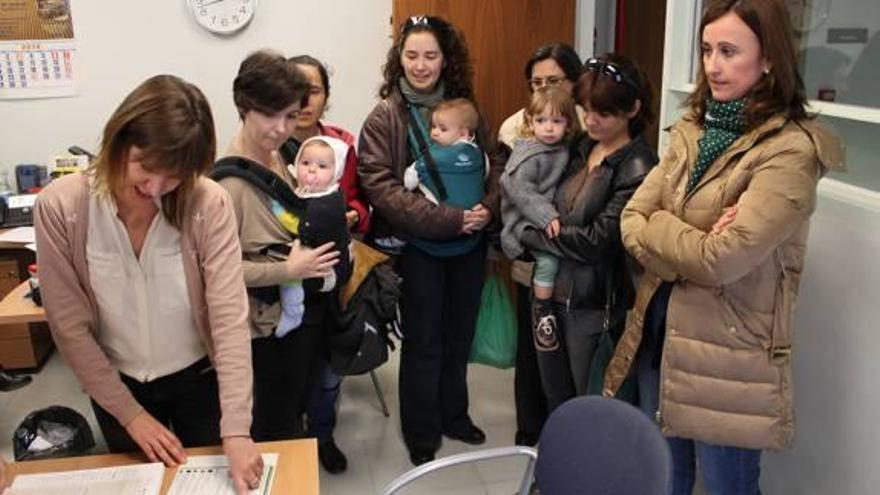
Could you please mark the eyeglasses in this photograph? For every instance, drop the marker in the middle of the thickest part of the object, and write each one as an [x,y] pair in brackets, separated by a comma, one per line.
[539,82]
[612,70]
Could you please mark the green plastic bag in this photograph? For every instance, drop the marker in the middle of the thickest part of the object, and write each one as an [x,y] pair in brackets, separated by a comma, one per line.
[495,337]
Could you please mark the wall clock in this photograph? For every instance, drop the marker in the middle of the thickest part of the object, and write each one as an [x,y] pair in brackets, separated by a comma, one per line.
[224,17]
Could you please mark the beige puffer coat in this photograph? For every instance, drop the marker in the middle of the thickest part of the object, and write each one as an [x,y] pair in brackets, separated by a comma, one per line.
[725,376]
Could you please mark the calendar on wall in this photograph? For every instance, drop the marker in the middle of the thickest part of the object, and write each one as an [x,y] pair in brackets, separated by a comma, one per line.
[37,49]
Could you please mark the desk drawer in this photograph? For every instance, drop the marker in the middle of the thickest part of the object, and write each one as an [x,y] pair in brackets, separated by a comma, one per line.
[24,345]
[9,276]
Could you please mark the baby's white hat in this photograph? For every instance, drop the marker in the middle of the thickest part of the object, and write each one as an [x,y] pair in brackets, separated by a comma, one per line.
[340,153]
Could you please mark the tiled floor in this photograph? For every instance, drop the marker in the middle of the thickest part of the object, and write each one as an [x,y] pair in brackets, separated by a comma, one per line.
[372,442]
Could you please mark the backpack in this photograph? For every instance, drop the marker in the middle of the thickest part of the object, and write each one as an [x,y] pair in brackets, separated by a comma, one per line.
[368,314]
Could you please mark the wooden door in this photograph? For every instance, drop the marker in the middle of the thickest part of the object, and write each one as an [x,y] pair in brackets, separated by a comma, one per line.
[643,25]
[501,36]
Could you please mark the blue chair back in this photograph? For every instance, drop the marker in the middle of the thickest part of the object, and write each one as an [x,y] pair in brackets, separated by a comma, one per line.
[597,445]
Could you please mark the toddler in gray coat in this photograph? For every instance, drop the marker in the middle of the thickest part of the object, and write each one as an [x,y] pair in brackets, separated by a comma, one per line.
[529,184]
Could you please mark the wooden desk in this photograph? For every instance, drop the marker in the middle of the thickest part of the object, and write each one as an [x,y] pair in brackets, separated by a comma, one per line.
[25,341]
[297,465]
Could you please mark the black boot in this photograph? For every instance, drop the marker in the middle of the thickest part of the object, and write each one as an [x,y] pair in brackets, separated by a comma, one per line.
[544,330]
[9,382]
[331,457]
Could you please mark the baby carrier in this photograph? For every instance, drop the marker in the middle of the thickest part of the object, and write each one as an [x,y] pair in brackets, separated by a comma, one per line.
[452,174]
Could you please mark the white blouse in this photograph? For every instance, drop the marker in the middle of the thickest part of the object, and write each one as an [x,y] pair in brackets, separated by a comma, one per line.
[145,319]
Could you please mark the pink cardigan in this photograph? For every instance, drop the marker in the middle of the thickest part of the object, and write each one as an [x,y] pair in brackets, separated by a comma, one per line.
[212,265]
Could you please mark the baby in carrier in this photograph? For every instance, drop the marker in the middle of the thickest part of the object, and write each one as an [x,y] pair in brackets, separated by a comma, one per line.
[318,168]
[460,165]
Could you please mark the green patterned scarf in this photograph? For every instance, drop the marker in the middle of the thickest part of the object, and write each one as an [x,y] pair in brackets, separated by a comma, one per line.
[724,124]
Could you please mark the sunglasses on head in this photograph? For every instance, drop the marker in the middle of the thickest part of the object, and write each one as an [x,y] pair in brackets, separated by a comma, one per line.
[611,70]
[419,20]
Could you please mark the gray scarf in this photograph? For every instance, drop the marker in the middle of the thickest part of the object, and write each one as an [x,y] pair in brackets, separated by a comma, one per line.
[424,102]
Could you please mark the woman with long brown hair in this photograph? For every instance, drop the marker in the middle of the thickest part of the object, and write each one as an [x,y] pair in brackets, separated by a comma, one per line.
[141,277]
[720,227]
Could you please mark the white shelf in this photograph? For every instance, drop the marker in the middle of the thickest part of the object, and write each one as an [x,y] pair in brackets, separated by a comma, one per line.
[850,194]
[843,111]
[687,88]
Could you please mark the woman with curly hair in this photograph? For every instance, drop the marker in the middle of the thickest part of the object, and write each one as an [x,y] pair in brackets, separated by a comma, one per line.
[441,250]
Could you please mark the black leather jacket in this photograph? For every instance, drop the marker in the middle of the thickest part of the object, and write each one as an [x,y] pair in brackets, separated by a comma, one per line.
[591,253]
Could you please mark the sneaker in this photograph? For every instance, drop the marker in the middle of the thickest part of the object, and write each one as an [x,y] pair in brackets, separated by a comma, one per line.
[331,457]
[545,334]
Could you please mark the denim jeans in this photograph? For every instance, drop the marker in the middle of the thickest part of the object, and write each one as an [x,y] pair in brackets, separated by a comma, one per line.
[725,470]
[321,411]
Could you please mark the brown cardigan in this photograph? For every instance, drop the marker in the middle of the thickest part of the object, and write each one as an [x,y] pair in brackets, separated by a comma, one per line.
[212,265]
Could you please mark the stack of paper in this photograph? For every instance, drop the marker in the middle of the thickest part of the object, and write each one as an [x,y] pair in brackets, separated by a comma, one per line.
[19,235]
[137,479]
[209,475]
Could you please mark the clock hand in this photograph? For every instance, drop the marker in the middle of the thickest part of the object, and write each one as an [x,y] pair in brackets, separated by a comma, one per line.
[210,3]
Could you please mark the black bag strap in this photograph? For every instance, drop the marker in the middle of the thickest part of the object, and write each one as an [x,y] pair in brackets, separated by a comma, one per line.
[260,177]
[418,131]
[609,300]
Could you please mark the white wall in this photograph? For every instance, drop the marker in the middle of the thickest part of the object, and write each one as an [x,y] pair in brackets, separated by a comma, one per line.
[122,42]
[836,360]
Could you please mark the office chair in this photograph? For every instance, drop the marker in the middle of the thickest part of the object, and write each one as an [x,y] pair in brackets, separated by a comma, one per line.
[589,445]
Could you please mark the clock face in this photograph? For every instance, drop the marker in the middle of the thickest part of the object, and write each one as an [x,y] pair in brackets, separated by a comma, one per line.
[223,16]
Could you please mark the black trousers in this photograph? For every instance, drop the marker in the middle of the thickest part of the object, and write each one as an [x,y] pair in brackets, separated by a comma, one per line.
[284,373]
[531,403]
[186,402]
[440,302]
[565,371]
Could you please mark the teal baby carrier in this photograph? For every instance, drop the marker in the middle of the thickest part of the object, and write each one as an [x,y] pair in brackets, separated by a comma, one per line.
[460,169]
[454,174]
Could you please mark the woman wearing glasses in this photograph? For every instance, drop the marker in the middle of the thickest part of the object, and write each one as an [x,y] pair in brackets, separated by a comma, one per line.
[427,63]
[720,227]
[607,163]
[556,64]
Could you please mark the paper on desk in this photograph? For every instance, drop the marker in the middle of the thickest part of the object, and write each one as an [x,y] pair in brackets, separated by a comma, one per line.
[137,479]
[22,235]
[209,475]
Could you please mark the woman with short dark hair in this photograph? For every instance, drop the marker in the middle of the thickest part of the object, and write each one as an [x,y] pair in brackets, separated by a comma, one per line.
[321,411]
[269,91]
[593,287]
[550,65]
